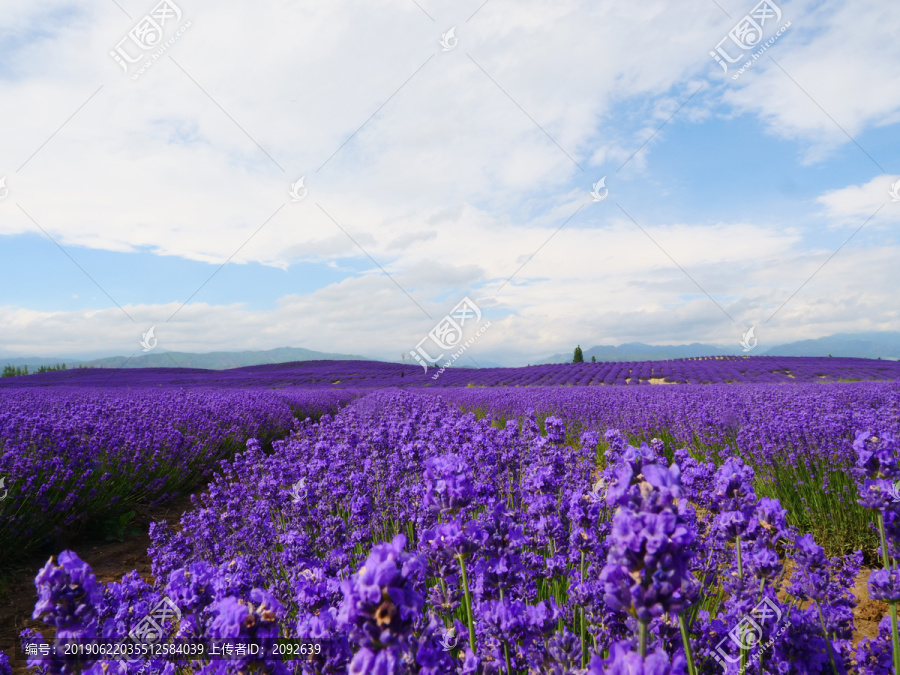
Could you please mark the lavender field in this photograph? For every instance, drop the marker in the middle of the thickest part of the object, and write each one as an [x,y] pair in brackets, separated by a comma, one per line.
[422,337]
[373,374]
[506,527]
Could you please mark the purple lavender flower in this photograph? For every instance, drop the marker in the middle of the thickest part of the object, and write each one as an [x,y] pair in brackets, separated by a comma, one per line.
[448,483]
[191,586]
[453,538]
[647,564]
[877,455]
[68,594]
[733,487]
[764,563]
[381,604]
[875,656]
[590,440]
[885,585]
[696,477]
[624,661]
[647,569]
[556,430]
[243,622]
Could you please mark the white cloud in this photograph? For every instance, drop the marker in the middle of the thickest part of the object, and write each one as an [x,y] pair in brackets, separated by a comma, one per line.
[837,62]
[854,204]
[449,186]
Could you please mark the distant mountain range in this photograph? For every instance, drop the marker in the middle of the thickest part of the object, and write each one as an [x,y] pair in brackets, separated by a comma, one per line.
[858,345]
[210,361]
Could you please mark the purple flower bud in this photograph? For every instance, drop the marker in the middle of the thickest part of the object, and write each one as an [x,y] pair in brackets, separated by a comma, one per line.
[877,455]
[624,661]
[885,585]
[448,483]
[67,596]
[556,430]
[382,602]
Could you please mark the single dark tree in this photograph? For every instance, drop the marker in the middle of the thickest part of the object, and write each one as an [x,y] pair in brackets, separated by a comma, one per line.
[579,357]
[593,359]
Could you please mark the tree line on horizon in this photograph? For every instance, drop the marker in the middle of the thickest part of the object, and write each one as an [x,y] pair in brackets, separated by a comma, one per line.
[17,371]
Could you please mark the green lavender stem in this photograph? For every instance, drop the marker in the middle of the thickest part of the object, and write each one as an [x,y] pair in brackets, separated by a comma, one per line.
[642,638]
[686,640]
[468,599]
[505,646]
[583,628]
[895,636]
[740,563]
[827,639]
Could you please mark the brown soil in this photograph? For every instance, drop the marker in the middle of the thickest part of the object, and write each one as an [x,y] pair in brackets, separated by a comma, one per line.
[110,560]
[868,613]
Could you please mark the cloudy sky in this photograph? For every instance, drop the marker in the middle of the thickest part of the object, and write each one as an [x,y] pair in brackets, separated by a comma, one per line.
[446,150]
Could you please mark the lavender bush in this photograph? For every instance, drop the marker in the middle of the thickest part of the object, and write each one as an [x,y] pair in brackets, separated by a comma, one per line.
[73,455]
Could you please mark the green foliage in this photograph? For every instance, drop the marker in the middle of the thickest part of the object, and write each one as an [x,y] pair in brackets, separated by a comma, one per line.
[50,369]
[16,371]
[117,529]
[579,356]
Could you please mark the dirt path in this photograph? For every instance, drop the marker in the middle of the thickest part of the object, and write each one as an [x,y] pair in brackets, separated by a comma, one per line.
[868,613]
[110,560]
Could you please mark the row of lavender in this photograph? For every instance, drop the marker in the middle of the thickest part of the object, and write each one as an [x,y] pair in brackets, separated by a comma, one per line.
[70,456]
[805,420]
[409,537]
[374,374]
[798,438]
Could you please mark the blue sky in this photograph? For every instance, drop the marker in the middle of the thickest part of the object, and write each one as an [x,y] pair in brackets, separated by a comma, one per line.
[446,170]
